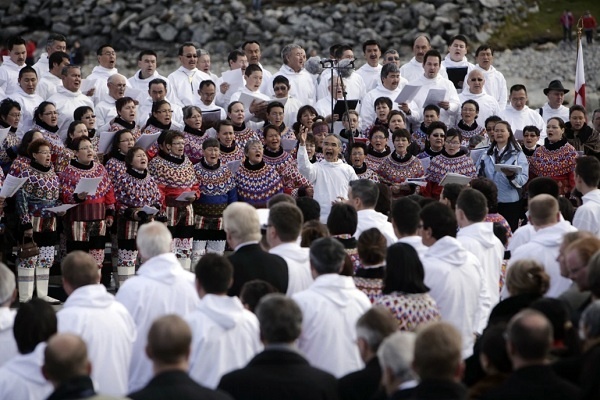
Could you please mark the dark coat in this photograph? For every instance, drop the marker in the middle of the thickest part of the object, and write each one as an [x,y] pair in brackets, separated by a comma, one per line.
[251,262]
[176,385]
[363,384]
[279,374]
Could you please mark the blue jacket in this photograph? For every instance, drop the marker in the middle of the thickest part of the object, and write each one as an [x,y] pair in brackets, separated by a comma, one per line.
[509,190]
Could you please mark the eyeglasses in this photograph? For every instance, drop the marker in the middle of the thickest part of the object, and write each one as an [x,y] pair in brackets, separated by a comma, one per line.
[438,135]
[393,58]
[90,116]
[165,111]
[476,79]
[50,113]
[191,56]
[15,115]
[254,148]
[86,148]
[109,53]
[177,143]
[280,88]
[374,137]
[45,153]
[532,135]
[453,143]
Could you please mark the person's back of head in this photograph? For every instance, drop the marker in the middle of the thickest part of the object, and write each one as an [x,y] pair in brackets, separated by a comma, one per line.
[493,350]
[7,286]
[35,323]
[286,219]
[311,210]
[214,274]
[364,190]
[404,270]
[65,358]
[373,327]
[543,210]
[311,231]
[384,200]
[450,194]
[153,239]
[396,355]
[327,256]
[371,246]
[490,191]
[342,219]
[280,319]
[241,222]
[169,342]
[587,168]
[405,217]
[440,219]
[79,269]
[556,311]
[529,338]
[471,207]
[253,291]
[542,185]
[593,275]
[280,198]
[527,276]
[590,322]
[438,352]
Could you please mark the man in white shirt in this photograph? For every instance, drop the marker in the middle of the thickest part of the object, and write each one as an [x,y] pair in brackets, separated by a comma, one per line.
[68,97]
[160,287]
[204,64]
[457,57]
[519,115]
[107,60]
[545,242]
[587,178]
[555,92]
[432,79]
[253,53]
[206,98]
[237,60]
[478,237]
[225,336]
[106,110]
[283,229]
[104,324]
[330,177]
[281,87]
[495,84]
[370,72]
[302,85]
[323,106]
[147,64]
[8,294]
[157,91]
[413,69]
[54,44]
[27,97]
[353,83]
[406,223]
[363,195]
[331,307]
[11,65]
[51,79]
[488,105]
[253,76]
[21,377]
[453,274]
[184,81]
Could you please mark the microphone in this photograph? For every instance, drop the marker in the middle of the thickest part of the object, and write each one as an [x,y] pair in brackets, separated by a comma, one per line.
[314,65]
[330,61]
[345,68]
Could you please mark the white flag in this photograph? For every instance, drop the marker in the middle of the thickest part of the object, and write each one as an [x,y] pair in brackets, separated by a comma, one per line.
[579,78]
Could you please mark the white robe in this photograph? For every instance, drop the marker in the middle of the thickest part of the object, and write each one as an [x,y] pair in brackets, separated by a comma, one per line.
[587,216]
[543,247]
[212,107]
[106,111]
[47,85]
[100,75]
[290,111]
[302,84]
[21,378]
[495,85]
[144,111]
[184,84]
[9,75]
[7,339]
[353,85]
[523,235]
[455,278]
[66,103]
[367,110]
[161,287]
[108,331]
[329,179]
[225,337]
[330,308]
[29,103]
[439,82]
[370,218]
[371,75]
[297,260]
[488,105]
[258,94]
[413,70]
[417,243]
[548,112]
[518,119]
[42,66]
[480,240]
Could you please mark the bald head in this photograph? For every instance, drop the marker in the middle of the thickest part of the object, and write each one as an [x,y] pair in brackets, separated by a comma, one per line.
[543,211]
[475,81]
[116,86]
[529,336]
[79,269]
[169,341]
[65,358]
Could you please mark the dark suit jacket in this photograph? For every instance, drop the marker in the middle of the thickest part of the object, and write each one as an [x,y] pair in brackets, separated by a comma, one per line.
[534,382]
[438,389]
[176,385]
[363,384]
[279,374]
[251,262]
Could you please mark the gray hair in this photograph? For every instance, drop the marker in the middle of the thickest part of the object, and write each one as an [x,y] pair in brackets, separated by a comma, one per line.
[390,68]
[287,50]
[327,256]
[202,52]
[397,353]
[153,239]
[113,77]
[366,190]
[590,319]
[280,318]
[65,70]
[240,220]
[188,110]
[251,143]
[375,325]
[7,284]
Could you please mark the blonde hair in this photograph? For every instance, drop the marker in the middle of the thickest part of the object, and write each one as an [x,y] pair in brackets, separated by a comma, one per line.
[240,220]
[527,276]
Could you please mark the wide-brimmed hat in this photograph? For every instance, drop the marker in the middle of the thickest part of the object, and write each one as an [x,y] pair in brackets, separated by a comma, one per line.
[556,85]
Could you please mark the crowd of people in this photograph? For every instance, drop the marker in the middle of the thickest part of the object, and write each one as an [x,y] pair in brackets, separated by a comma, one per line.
[436,238]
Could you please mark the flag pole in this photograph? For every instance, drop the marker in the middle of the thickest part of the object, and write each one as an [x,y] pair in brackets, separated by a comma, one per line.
[579,92]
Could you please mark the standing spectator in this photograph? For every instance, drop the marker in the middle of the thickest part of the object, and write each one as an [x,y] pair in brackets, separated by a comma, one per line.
[566,21]
[77,54]
[589,26]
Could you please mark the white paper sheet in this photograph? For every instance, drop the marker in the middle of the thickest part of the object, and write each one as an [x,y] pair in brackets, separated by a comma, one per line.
[105,141]
[149,210]
[87,84]
[147,140]
[135,94]
[282,100]
[88,185]
[248,99]
[434,97]
[516,168]
[184,196]
[451,177]
[61,208]
[235,78]
[11,185]
[288,144]
[407,94]
[425,162]
[211,115]
[234,166]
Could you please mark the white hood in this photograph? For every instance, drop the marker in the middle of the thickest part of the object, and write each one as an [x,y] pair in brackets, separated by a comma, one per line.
[449,250]
[482,232]
[100,70]
[337,288]
[7,318]
[29,366]
[592,197]
[553,235]
[292,251]
[92,296]
[224,310]
[164,268]
[66,92]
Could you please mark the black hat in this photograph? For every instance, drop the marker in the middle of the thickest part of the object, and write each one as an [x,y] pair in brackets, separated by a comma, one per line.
[555,85]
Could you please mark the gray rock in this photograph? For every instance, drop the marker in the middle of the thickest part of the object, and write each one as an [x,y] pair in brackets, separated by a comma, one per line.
[388,5]
[423,23]
[482,37]
[200,34]
[125,21]
[426,10]
[59,27]
[147,32]
[490,3]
